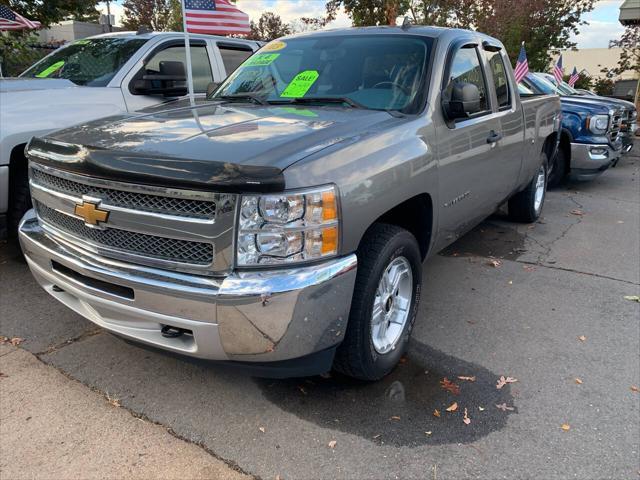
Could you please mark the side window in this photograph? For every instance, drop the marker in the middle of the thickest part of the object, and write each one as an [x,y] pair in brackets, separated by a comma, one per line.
[200,65]
[465,67]
[500,82]
[233,56]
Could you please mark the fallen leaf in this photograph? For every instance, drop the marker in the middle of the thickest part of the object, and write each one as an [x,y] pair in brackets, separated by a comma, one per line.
[565,426]
[632,298]
[494,263]
[504,408]
[428,433]
[635,389]
[436,413]
[468,379]
[576,212]
[481,409]
[3,339]
[582,338]
[453,407]
[332,444]
[504,380]
[15,341]
[579,381]
[113,401]
[395,417]
[449,386]
[466,418]
[262,429]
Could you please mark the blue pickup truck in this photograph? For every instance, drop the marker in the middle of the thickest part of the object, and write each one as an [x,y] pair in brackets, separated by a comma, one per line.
[591,139]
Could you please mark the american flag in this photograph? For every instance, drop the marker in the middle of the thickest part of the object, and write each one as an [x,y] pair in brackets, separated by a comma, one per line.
[10,20]
[557,70]
[574,77]
[522,65]
[218,17]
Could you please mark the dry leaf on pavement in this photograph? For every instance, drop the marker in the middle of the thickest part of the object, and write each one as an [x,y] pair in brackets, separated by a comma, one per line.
[579,381]
[395,417]
[504,408]
[262,429]
[332,444]
[565,426]
[466,418]
[468,379]
[436,413]
[577,212]
[494,263]
[449,386]
[504,380]
[481,409]
[632,298]
[635,389]
[582,338]
[453,407]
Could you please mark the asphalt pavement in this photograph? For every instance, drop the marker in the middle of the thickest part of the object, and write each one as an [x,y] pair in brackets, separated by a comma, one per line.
[543,304]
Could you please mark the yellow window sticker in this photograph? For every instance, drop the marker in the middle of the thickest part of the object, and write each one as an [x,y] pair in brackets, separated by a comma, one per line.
[300,84]
[274,46]
[48,71]
[81,42]
[261,60]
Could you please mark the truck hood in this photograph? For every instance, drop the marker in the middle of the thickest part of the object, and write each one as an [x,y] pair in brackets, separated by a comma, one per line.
[228,147]
[601,102]
[30,84]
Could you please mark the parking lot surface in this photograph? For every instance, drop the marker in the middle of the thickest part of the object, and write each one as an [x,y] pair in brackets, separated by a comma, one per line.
[543,304]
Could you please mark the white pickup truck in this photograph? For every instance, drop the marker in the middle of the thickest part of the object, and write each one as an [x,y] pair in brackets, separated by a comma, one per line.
[96,77]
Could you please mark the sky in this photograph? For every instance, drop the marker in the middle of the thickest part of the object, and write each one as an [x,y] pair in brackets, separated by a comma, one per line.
[603,20]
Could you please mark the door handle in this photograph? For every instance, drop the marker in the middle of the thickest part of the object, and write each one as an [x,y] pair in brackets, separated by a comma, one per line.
[494,137]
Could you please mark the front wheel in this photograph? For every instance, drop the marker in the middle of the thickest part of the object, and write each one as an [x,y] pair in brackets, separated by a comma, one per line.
[526,206]
[384,304]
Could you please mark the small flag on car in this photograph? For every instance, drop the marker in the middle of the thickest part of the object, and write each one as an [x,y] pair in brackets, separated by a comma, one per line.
[216,17]
[10,20]
[557,70]
[574,77]
[522,65]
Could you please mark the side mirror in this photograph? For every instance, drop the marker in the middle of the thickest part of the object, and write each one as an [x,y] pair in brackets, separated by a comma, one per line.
[170,81]
[212,87]
[464,101]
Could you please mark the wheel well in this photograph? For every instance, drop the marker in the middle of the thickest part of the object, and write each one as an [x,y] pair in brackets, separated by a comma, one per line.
[565,145]
[549,146]
[414,215]
[18,161]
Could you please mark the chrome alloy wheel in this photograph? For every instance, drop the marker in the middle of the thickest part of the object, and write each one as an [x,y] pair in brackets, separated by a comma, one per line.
[540,189]
[391,305]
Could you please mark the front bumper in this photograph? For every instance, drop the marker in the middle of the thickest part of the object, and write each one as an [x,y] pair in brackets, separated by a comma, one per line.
[590,160]
[259,316]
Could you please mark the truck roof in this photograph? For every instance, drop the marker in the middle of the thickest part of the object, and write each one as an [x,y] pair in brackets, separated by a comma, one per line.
[149,35]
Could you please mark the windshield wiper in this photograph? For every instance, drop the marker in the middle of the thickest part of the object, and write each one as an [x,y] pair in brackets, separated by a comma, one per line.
[241,97]
[308,100]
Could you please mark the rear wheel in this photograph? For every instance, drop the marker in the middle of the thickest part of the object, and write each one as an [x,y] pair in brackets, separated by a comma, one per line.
[384,304]
[526,206]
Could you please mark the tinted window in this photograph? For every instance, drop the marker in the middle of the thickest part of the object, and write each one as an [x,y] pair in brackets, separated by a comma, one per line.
[89,62]
[465,68]
[233,57]
[200,65]
[500,82]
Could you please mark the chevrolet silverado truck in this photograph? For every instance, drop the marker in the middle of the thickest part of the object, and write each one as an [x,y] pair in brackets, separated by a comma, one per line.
[98,77]
[283,223]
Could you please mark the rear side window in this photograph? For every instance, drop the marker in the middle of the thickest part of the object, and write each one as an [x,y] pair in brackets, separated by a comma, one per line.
[466,68]
[500,82]
[200,65]
[233,56]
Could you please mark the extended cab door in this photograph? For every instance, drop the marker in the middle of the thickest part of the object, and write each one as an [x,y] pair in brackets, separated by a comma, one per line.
[466,149]
[202,66]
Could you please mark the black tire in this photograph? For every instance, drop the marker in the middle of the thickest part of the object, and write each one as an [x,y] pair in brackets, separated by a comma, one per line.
[19,198]
[522,206]
[558,172]
[357,356]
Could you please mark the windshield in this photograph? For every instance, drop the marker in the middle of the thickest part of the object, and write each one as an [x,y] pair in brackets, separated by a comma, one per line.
[542,84]
[89,62]
[380,72]
[563,88]
[523,90]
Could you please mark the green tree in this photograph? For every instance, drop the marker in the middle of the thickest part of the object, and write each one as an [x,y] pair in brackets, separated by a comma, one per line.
[159,15]
[268,27]
[630,45]
[53,11]
[364,13]
[603,86]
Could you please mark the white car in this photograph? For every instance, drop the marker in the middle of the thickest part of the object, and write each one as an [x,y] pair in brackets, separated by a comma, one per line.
[97,77]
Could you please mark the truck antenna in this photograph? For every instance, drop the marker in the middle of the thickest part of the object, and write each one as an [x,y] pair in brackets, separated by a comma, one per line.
[406,23]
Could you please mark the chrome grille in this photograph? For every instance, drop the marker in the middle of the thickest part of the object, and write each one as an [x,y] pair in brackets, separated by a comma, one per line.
[169,249]
[616,122]
[135,200]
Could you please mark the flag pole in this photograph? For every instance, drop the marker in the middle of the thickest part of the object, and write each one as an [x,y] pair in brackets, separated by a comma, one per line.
[187,51]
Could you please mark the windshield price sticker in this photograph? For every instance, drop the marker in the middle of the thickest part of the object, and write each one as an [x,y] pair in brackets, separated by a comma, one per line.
[81,42]
[48,71]
[273,46]
[261,60]
[300,84]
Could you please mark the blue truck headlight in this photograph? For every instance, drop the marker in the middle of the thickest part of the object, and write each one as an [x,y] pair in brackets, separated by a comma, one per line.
[288,228]
[598,124]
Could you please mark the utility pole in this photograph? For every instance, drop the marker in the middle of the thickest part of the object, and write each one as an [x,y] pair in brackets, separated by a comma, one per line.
[109,16]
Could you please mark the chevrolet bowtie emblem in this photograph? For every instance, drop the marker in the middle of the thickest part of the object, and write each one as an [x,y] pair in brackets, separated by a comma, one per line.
[90,212]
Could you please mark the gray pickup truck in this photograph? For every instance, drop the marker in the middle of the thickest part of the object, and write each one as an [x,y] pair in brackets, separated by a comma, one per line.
[283,222]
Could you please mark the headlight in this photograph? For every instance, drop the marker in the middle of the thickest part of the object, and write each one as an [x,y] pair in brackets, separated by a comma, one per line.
[287,228]
[598,124]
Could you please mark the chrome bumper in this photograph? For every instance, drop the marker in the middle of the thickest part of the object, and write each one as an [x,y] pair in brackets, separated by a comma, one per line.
[590,160]
[265,316]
